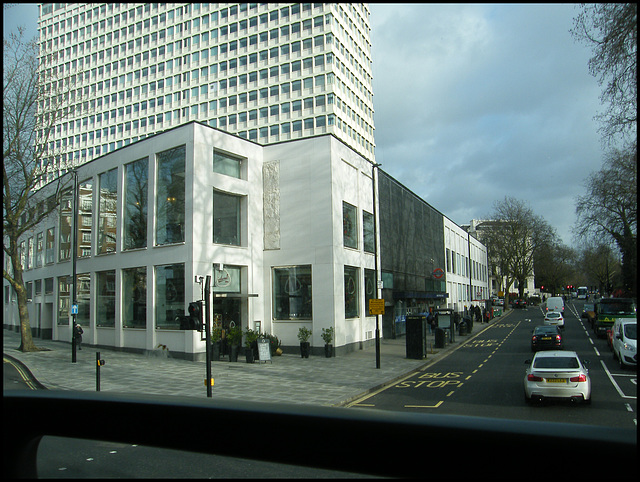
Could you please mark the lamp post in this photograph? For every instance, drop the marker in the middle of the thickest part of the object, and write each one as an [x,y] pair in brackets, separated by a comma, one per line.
[74,255]
[375,241]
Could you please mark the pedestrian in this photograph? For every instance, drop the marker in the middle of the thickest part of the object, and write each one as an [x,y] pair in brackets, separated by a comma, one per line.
[77,335]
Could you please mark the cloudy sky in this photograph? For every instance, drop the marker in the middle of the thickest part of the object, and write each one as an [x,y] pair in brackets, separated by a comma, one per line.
[477,102]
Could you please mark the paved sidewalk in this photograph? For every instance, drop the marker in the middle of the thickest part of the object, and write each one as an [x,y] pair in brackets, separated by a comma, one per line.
[289,378]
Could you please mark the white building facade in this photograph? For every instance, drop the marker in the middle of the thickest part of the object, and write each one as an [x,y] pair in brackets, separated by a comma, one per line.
[265,222]
[467,268]
[267,72]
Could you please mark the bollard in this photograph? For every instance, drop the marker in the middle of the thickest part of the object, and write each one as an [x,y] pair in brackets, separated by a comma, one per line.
[99,363]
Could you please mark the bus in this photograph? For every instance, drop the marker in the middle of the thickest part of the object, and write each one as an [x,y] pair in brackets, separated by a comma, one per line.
[583,292]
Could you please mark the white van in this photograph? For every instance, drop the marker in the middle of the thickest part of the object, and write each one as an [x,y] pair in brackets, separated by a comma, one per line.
[625,341]
[555,303]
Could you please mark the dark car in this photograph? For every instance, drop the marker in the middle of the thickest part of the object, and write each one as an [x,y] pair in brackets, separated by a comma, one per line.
[519,303]
[546,337]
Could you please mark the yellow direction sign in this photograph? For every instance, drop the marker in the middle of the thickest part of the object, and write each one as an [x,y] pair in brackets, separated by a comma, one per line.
[376,307]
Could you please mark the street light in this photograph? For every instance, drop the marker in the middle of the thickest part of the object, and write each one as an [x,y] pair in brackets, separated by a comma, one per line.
[74,255]
[375,243]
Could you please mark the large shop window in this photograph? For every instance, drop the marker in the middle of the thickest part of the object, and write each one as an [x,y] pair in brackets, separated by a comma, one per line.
[370,292]
[64,244]
[292,294]
[106,298]
[170,187]
[85,218]
[135,204]
[169,295]
[107,211]
[351,305]
[84,299]
[64,290]
[134,297]
[49,246]
[227,209]
[227,164]
[350,225]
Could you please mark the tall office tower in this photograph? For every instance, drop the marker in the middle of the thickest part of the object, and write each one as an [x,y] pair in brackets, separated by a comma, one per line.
[268,72]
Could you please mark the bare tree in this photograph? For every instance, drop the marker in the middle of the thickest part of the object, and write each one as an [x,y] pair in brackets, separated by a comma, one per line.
[554,266]
[514,237]
[25,134]
[609,209]
[612,30]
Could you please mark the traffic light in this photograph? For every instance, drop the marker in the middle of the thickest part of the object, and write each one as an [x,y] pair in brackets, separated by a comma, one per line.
[195,315]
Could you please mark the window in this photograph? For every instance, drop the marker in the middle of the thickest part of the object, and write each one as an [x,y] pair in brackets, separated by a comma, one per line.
[106,298]
[134,298]
[351,296]
[370,283]
[49,246]
[368,232]
[226,218]
[39,249]
[170,186]
[169,295]
[135,204]
[227,164]
[64,245]
[292,293]
[63,300]
[108,189]
[84,299]
[85,218]
[349,224]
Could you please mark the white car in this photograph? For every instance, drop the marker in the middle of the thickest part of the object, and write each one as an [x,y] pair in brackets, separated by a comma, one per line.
[554,318]
[557,375]
[624,341]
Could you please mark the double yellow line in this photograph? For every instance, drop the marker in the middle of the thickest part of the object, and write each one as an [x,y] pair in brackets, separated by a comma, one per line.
[23,374]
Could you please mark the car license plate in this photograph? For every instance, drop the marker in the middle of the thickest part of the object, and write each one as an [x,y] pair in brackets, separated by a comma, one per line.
[546,338]
[556,380]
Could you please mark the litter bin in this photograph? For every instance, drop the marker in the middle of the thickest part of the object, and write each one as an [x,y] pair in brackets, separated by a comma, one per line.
[440,338]
[462,328]
[416,337]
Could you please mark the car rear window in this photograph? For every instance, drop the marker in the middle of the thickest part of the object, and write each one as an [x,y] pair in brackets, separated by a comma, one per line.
[556,362]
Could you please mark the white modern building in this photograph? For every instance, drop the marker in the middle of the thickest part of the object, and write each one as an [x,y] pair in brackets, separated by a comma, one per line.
[268,72]
[267,223]
[467,268]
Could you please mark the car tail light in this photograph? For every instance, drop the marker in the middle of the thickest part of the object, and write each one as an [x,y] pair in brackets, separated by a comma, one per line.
[579,378]
[534,378]
[558,337]
[534,338]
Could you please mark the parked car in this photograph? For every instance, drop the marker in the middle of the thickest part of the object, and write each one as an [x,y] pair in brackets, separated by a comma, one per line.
[557,374]
[553,318]
[546,337]
[498,301]
[625,342]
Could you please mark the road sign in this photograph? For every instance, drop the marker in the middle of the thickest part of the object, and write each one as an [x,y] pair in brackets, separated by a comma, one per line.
[376,307]
[74,309]
[438,273]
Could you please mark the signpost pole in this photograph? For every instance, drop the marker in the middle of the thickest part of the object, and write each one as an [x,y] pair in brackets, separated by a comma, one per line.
[207,330]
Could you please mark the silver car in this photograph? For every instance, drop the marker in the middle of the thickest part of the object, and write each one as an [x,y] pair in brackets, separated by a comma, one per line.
[557,375]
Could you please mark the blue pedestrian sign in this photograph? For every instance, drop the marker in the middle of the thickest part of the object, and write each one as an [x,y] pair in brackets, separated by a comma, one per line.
[74,309]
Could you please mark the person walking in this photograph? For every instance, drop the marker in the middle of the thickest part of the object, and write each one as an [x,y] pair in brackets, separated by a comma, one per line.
[77,334]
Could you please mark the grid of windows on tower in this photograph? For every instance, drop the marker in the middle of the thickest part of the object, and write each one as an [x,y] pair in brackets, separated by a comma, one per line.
[265,72]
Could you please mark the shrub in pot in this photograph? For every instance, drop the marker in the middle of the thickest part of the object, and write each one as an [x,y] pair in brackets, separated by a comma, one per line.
[327,336]
[305,347]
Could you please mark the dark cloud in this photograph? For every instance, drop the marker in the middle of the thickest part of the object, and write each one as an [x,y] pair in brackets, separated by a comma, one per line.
[475,102]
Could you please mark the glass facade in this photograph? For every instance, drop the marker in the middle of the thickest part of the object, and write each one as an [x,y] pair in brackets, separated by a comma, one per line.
[170,196]
[292,293]
[134,297]
[170,300]
[107,211]
[135,204]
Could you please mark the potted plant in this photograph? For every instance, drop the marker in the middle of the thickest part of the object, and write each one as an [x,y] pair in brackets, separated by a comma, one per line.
[216,341]
[251,344]
[235,338]
[327,336]
[304,334]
